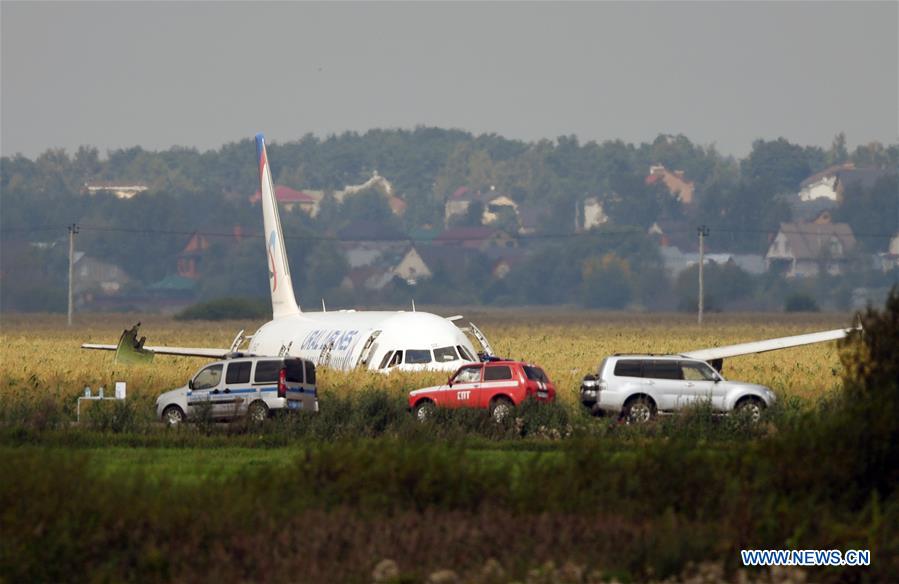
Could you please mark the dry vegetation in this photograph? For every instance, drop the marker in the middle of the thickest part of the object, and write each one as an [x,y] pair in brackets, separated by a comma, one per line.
[41,356]
[362,484]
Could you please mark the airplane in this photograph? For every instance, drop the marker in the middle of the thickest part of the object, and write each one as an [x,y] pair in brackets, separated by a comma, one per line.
[344,339]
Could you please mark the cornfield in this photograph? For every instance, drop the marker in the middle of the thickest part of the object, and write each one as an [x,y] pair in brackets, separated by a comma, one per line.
[41,358]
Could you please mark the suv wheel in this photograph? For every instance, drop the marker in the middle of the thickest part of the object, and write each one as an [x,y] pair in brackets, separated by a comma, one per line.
[500,408]
[172,416]
[257,412]
[639,411]
[751,407]
[424,410]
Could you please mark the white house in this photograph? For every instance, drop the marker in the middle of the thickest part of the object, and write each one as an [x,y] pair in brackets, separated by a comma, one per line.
[121,189]
[804,249]
[890,259]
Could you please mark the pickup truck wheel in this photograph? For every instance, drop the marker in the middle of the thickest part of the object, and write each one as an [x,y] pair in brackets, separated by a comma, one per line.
[172,416]
[424,410]
[257,412]
[639,411]
[751,407]
[500,408]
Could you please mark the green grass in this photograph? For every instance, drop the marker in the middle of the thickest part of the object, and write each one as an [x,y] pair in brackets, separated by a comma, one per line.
[193,466]
[185,465]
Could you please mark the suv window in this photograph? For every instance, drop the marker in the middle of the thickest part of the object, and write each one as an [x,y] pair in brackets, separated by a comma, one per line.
[238,372]
[267,371]
[628,368]
[497,373]
[468,375]
[209,377]
[294,372]
[535,373]
[694,371]
[662,370]
[310,372]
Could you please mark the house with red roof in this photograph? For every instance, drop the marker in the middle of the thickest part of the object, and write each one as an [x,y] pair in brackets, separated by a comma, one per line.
[676,183]
[306,201]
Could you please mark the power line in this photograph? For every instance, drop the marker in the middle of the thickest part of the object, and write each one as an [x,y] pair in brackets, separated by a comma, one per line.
[624,231]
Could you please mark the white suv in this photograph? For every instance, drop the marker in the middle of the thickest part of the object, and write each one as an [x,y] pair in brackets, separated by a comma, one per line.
[637,387]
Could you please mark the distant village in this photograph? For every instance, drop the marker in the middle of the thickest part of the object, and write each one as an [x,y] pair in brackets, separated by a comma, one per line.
[489,226]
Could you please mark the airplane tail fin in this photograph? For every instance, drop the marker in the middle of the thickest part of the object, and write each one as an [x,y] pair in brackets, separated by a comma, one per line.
[284,302]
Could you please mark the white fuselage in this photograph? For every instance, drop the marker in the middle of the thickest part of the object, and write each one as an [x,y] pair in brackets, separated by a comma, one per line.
[348,339]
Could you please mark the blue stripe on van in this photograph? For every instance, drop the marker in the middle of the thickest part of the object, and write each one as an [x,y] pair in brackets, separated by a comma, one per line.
[261,390]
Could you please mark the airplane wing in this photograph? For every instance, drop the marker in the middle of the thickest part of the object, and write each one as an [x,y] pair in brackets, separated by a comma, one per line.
[182,351]
[716,353]
[131,350]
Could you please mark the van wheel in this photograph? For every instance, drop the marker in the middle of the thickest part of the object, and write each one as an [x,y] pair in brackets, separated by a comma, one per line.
[751,408]
[424,410]
[172,416]
[257,412]
[500,408]
[639,410]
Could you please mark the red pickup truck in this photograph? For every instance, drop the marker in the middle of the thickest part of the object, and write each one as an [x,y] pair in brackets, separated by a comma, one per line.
[496,385]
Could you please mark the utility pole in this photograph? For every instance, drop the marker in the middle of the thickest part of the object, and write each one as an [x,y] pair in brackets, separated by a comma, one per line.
[703,233]
[73,231]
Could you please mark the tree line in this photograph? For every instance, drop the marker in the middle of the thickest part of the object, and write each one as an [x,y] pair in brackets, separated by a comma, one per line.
[189,190]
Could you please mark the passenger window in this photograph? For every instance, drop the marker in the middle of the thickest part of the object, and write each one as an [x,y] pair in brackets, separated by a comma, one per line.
[628,368]
[696,371]
[386,358]
[468,375]
[662,370]
[497,373]
[209,377]
[310,372]
[294,369]
[445,354]
[238,372]
[397,359]
[418,356]
[267,371]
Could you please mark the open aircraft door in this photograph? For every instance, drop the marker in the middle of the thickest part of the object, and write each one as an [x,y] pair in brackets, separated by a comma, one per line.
[368,349]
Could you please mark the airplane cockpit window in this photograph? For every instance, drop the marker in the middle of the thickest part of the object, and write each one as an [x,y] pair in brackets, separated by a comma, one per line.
[418,356]
[397,359]
[463,352]
[445,354]
[386,358]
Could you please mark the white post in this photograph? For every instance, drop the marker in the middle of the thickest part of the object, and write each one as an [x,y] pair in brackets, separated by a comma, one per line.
[703,233]
[73,230]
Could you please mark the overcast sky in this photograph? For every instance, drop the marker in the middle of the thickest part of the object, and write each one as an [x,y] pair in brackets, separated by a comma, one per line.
[203,74]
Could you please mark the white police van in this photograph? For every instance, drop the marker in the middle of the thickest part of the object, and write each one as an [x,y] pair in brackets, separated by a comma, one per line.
[244,385]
